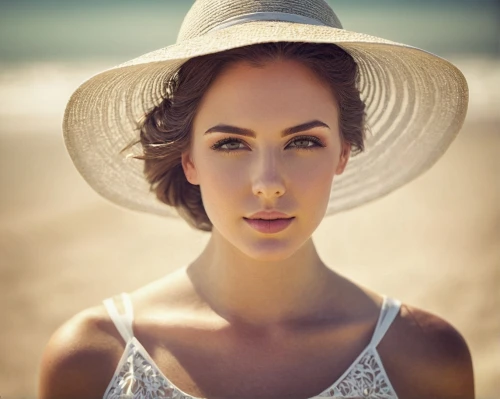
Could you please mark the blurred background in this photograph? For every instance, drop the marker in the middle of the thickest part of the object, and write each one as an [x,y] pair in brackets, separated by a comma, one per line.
[434,244]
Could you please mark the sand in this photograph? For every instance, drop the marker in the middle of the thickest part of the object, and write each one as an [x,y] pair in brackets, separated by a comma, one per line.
[433,244]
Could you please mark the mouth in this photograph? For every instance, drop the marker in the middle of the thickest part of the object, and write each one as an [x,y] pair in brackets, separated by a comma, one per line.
[269,226]
[268,219]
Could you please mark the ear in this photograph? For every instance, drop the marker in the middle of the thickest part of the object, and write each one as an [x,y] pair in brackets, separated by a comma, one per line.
[189,168]
[344,157]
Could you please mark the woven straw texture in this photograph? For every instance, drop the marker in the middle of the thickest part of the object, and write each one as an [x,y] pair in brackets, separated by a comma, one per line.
[416,102]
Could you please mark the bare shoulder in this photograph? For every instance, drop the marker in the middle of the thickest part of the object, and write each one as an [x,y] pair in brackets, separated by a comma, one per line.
[434,359]
[80,358]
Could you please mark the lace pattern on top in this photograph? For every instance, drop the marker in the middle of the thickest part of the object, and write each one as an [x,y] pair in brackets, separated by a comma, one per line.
[138,377]
[365,379]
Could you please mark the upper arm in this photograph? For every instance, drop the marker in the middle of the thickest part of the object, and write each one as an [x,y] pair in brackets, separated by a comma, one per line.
[79,360]
[446,362]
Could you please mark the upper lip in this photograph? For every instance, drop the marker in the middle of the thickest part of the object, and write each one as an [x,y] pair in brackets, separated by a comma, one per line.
[269,215]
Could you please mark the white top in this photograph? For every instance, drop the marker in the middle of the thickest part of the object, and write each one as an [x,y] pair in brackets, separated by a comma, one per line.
[137,372]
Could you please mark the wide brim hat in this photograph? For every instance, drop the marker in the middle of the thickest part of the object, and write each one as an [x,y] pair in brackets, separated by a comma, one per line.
[416,102]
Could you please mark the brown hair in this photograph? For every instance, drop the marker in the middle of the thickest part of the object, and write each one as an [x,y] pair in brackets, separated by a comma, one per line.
[165,131]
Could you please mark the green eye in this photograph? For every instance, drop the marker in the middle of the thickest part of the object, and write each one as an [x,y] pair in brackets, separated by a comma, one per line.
[232,144]
[218,145]
[316,142]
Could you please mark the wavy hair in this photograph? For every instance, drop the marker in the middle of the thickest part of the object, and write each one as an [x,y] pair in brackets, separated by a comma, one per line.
[165,131]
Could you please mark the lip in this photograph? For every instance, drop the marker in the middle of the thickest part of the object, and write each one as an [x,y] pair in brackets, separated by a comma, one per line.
[269,215]
[269,226]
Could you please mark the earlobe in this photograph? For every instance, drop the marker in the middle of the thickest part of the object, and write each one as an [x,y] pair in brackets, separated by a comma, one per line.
[189,168]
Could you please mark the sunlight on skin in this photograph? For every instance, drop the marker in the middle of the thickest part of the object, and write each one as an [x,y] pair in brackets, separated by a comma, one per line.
[291,174]
[267,171]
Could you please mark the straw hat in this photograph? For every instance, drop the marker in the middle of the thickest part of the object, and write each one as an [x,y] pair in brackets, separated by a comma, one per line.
[415,101]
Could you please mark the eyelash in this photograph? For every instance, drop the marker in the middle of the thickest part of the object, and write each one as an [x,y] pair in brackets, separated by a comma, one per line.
[217,146]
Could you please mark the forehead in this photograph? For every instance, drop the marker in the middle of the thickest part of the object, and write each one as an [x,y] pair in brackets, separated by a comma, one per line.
[278,88]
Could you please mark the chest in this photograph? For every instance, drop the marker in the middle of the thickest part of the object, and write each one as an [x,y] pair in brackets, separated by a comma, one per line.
[222,365]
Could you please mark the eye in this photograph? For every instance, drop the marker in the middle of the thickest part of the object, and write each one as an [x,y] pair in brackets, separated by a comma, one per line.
[308,140]
[230,144]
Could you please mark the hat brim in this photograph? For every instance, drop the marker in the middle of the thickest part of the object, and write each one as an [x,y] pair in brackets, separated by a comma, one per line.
[416,103]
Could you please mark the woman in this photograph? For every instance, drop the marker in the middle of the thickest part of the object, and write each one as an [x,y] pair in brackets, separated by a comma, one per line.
[247,127]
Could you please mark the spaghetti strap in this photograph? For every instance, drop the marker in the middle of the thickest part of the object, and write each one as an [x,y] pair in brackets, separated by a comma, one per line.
[122,322]
[389,311]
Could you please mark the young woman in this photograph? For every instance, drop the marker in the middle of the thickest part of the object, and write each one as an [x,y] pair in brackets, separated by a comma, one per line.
[262,119]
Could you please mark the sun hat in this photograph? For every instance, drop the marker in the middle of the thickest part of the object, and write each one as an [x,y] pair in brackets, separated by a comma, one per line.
[416,102]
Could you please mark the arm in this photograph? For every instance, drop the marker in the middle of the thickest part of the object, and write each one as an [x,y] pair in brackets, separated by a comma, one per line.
[79,359]
[447,371]
[456,379]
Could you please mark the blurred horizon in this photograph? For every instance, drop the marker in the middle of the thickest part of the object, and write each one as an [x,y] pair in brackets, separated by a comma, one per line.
[50,47]
[54,30]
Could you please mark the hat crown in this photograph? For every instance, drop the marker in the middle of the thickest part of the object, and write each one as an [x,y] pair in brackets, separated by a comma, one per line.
[206,15]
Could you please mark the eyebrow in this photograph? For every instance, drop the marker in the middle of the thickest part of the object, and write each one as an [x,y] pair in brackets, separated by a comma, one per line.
[222,128]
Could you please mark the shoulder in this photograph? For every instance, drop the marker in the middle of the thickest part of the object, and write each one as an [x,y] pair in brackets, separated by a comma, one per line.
[80,358]
[434,357]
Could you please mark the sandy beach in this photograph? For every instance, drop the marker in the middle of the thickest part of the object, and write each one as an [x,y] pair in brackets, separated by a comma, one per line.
[434,244]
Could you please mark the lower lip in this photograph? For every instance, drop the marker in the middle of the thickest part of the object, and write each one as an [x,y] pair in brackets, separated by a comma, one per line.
[269,226]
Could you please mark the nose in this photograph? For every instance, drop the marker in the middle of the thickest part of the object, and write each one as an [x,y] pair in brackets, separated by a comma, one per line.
[268,179]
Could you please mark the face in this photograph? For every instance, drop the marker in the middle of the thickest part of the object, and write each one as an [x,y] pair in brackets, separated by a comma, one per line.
[266,138]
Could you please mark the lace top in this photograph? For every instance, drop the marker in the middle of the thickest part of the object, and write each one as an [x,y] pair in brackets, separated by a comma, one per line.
[138,377]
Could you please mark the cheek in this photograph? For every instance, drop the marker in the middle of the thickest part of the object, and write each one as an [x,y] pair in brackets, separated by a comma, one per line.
[221,187]
[312,174]
[312,186]
[223,175]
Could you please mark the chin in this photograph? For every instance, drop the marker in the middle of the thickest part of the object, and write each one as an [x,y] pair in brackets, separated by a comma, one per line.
[270,250]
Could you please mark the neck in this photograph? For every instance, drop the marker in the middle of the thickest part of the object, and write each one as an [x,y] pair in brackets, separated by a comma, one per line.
[261,293]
